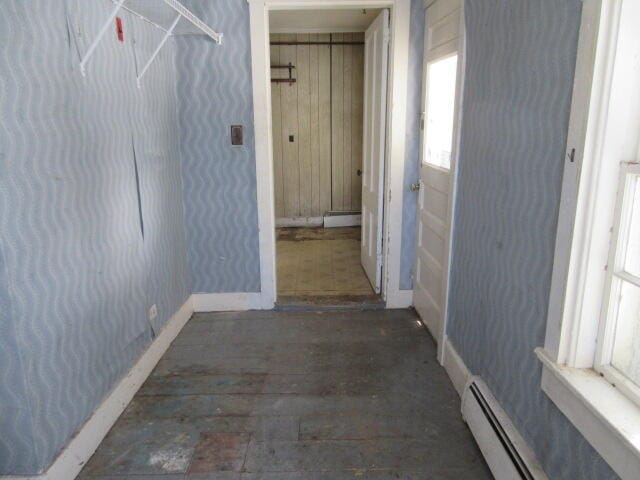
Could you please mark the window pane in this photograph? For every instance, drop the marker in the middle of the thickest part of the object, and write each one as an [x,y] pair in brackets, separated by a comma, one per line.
[632,259]
[626,347]
[441,96]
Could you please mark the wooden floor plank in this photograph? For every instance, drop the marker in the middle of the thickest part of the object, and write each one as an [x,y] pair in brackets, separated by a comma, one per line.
[313,395]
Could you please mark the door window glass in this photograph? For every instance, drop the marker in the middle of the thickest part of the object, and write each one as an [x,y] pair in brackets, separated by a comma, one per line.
[439,115]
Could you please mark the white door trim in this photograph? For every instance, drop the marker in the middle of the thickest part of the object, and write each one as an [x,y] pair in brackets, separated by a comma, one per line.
[396,130]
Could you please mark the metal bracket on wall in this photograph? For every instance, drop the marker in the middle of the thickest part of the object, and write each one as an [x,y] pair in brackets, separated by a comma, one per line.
[289,80]
[159,14]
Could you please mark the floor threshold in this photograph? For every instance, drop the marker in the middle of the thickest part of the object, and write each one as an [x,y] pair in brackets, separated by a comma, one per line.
[329,302]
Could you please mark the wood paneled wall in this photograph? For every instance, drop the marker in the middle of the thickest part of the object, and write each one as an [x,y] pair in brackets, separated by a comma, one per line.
[317,172]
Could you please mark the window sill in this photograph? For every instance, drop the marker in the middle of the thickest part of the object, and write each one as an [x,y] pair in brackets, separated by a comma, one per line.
[603,415]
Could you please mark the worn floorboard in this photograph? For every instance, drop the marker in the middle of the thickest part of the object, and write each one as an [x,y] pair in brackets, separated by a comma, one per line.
[292,395]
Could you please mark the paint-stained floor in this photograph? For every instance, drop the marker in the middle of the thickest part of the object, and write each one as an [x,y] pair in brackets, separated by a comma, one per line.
[329,395]
[320,261]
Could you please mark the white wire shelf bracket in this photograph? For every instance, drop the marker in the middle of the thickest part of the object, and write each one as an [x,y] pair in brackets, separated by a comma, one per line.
[160,13]
[195,21]
[157,50]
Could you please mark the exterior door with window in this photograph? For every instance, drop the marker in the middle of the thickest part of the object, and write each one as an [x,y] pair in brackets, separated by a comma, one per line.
[376,53]
[439,138]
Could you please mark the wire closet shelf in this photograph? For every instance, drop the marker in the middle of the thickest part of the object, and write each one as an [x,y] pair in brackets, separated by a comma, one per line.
[170,16]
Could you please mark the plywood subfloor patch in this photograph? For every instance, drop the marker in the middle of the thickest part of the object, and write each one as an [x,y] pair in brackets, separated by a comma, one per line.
[327,265]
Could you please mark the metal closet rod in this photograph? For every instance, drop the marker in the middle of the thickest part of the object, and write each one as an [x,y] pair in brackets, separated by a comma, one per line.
[317,43]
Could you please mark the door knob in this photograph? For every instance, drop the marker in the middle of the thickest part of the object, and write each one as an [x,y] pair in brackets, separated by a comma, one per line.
[415,187]
[359,172]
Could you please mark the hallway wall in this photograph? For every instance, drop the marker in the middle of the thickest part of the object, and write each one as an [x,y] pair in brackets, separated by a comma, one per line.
[412,154]
[323,110]
[215,92]
[77,272]
[519,75]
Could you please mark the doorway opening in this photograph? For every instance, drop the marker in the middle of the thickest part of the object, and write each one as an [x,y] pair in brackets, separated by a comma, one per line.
[328,110]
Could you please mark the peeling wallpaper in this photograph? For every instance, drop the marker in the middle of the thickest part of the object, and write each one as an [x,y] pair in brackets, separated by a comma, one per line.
[220,199]
[76,275]
[519,76]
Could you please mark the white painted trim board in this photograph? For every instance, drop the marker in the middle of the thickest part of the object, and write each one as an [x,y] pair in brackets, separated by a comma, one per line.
[455,367]
[229,302]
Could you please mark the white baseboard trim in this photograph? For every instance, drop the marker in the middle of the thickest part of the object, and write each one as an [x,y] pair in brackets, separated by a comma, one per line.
[299,222]
[80,448]
[399,299]
[455,367]
[229,302]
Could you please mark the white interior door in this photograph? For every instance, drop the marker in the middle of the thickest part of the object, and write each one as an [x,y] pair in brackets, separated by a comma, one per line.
[376,52]
[439,139]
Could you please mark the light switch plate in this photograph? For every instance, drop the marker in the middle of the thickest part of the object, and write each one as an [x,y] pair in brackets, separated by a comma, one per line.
[236,135]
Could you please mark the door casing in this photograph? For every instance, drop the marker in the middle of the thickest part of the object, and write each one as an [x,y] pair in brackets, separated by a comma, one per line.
[395,149]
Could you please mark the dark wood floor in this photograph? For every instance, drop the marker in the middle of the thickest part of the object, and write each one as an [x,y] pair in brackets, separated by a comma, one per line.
[294,396]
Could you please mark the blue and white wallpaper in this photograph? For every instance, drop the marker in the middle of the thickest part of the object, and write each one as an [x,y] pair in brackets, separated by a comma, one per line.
[519,75]
[412,154]
[85,164]
[220,200]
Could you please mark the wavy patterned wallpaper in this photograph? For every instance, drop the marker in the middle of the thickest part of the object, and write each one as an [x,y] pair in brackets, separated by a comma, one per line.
[76,275]
[520,66]
[215,92]
[412,154]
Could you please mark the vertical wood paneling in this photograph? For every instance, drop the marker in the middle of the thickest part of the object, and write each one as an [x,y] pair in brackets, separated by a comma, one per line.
[357,99]
[347,74]
[277,131]
[337,127]
[323,110]
[291,163]
[324,118]
[314,124]
[304,125]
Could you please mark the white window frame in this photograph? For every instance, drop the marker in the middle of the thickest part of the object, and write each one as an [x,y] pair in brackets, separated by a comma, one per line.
[616,275]
[604,119]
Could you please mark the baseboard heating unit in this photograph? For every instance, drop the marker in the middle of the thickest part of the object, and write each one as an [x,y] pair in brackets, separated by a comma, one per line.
[342,219]
[506,453]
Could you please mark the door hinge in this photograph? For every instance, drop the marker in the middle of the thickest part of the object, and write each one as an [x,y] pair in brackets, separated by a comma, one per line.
[422,115]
